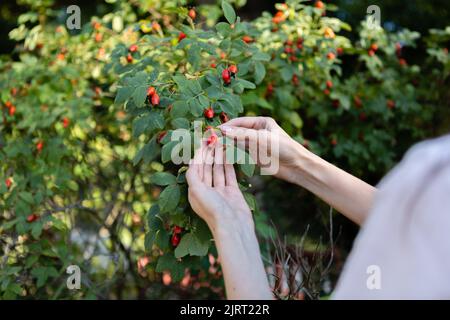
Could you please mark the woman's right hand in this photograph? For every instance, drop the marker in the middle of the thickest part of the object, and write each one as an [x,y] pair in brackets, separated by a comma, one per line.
[261,132]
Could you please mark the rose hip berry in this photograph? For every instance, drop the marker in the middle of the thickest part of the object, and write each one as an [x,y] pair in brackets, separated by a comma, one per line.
[192,14]
[133,48]
[224,117]
[65,122]
[151,91]
[233,69]
[212,139]
[32,217]
[161,136]
[390,104]
[209,113]
[177,229]
[247,39]
[175,240]
[329,84]
[8,182]
[181,36]
[155,99]
[129,58]
[40,145]
[226,76]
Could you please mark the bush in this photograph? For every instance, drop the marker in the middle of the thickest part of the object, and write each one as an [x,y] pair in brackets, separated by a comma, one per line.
[85,148]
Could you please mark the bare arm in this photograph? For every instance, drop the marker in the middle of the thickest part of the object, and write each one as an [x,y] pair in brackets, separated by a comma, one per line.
[346,193]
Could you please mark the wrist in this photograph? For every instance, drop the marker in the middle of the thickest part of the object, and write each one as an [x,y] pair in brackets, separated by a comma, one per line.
[309,168]
[240,224]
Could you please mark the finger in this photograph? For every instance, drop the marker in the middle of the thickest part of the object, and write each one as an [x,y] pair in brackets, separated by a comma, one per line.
[218,170]
[193,176]
[230,174]
[197,161]
[208,159]
[246,122]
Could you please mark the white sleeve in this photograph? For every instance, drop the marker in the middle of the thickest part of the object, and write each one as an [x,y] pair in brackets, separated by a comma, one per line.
[403,249]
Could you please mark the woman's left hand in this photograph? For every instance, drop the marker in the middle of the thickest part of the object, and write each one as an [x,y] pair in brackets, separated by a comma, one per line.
[214,193]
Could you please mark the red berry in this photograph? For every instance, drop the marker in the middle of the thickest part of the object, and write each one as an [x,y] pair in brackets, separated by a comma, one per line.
[299,46]
[209,113]
[161,136]
[331,56]
[295,80]
[181,36]
[32,217]
[293,58]
[402,62]
[13,91]
[155,99]
[334,142]
[151,91]
[8,104]
[326,92]
[289,43]
[8,182]
[133,48]
[319,4]
[98,37]
[40,145]
[390,104]
[177,229]
[374,47]
[12,110]
[175,240]
[339,51]
[192,14]
[129,58]
[233,69]
[247,39]
[224,117]
[65,122]
[371,53]
[329,84]
[212,139]
[213,65]
[226,76]
[288,50]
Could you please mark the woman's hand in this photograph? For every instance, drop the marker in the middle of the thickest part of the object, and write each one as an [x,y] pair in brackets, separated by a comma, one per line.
[215,196]
[262,132]
[348,194]
[213,189]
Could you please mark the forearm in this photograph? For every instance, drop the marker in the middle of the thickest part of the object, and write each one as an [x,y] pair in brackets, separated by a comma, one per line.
[344,192]
[242,266]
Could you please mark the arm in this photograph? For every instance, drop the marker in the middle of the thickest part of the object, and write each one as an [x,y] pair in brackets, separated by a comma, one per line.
[215,196]
[346,193]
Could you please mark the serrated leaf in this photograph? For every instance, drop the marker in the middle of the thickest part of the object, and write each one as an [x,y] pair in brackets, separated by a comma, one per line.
[163,178]
[228,12]
[191,245]
[169,198]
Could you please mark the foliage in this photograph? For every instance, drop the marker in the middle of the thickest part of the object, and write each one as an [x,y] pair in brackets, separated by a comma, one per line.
[85,173]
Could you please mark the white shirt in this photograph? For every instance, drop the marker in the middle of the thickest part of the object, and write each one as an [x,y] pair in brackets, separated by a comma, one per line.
[403,249]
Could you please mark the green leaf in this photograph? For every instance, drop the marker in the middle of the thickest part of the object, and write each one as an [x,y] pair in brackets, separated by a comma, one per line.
[147,122]
[163,178]
[123,94]
[169,263]
[180,123]
[139,95]
[166,153]
[169,198]
[228,11]
[179,109]
[260,72]
[191,245]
